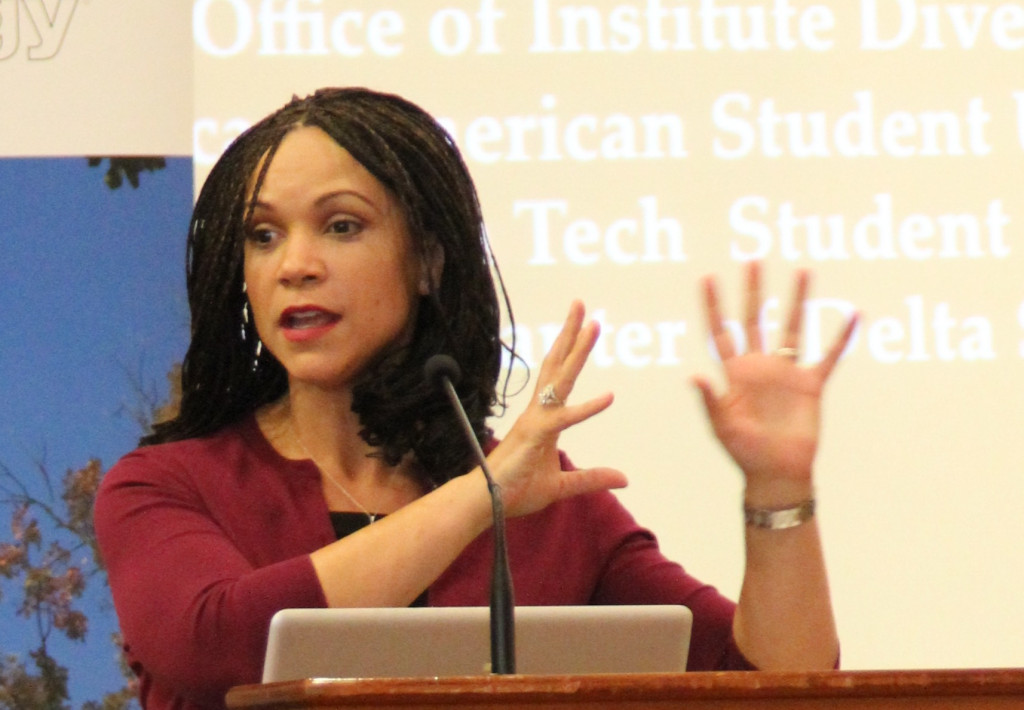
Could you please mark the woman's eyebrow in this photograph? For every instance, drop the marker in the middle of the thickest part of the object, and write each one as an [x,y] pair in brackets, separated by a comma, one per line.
[327,197]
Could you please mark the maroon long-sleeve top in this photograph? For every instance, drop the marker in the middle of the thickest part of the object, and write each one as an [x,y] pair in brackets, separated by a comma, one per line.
[205,539]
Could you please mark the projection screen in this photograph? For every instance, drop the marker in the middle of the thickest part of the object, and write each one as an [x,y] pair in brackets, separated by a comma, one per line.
[622,150]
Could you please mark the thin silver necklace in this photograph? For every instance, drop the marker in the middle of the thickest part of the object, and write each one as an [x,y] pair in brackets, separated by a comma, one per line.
[372,517]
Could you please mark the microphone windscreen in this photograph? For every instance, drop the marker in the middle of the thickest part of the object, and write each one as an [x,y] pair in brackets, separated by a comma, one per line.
[440,366]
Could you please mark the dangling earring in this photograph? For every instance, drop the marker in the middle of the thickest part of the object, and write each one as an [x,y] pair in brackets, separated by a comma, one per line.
[245,316]
[258,350]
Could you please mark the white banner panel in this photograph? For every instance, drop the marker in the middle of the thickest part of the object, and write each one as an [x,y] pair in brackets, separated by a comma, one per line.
[95,77]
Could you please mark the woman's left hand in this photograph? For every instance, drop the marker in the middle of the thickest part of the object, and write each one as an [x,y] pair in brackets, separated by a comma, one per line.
[768,419]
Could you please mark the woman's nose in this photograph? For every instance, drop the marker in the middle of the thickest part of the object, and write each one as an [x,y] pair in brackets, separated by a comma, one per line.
[302,262]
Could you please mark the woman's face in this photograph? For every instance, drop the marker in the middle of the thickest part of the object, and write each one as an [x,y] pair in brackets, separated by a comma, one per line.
[329,265]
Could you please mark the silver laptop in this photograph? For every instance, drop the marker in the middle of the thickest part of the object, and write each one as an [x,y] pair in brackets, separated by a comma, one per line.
[455,641]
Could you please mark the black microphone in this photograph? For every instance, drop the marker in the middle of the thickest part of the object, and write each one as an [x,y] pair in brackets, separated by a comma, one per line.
[443,371]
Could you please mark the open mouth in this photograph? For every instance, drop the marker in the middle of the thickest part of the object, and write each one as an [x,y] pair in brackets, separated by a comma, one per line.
[306,319]
[305,323]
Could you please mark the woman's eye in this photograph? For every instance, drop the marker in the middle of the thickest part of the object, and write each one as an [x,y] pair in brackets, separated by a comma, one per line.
[345,227]
[261,236]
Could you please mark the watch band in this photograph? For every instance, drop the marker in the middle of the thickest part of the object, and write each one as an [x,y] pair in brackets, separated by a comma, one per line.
[779,519]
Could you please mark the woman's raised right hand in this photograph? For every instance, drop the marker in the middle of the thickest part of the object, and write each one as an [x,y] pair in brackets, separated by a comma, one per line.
[526,463]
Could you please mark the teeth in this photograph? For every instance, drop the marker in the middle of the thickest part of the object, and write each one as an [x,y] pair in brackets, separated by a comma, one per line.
[308,319]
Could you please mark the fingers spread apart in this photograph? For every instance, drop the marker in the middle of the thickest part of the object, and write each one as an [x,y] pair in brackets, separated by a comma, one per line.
[565,361]
[789,344]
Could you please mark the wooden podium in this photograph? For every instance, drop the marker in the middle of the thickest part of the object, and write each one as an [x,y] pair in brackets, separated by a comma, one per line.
[843,690]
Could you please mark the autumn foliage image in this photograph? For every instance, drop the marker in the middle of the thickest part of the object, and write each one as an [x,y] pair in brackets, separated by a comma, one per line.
[52,576]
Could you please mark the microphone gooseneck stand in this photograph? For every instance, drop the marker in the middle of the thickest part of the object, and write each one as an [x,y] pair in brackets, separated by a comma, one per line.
[443,370]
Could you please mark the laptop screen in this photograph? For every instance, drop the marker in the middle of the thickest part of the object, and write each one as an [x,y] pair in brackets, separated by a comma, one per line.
[455,641]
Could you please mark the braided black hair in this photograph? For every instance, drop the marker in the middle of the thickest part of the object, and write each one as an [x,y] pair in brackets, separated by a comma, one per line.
[416,160]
